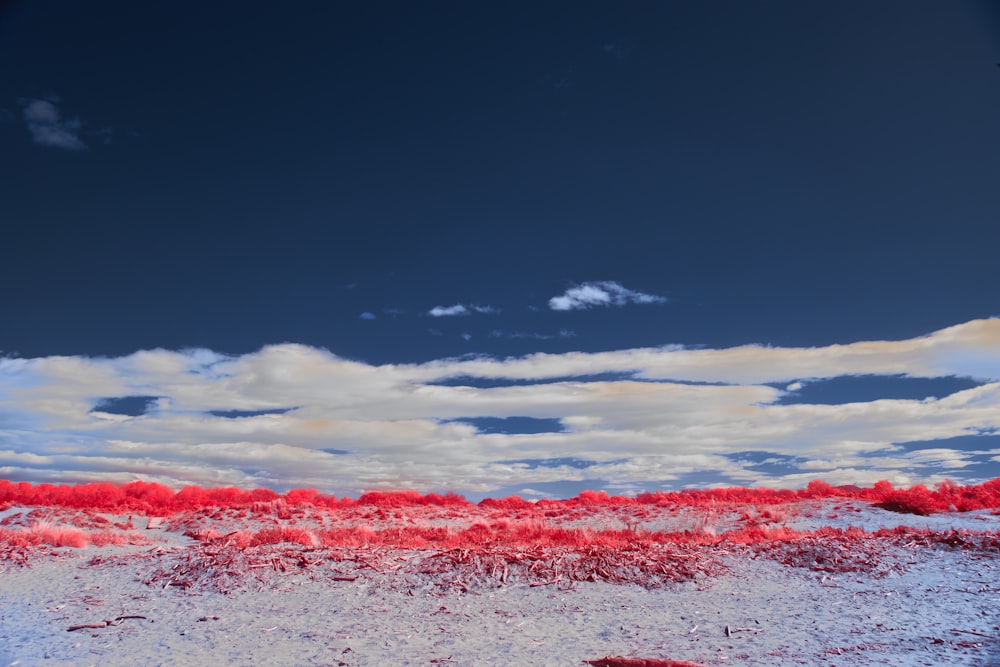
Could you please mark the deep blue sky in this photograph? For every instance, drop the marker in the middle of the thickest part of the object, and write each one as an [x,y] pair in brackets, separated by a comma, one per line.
[791,173]
[230,175]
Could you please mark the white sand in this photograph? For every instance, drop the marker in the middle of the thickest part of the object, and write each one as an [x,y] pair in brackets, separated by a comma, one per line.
[935,605]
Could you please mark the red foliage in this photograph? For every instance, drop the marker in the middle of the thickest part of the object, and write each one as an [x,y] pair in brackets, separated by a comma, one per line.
[263,495]
[508,503]
[156,499]
[408,498]
[191,497]
[59,536]
[303,497]
[915,500]
[148,497]
[447,500]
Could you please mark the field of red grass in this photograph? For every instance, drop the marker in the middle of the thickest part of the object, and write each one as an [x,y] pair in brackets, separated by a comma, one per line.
[651,539]
[229,541]
[159,500]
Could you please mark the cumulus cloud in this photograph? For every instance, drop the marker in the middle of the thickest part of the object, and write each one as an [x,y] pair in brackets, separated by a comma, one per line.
[48,128]
[601,293]
[397,423]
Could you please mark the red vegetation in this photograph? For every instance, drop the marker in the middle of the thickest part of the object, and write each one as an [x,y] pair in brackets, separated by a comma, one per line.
[158,500]
[46,534]
[593,537]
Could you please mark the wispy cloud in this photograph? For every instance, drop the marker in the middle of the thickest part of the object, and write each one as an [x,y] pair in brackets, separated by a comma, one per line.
[601,293]
[448,311]
[460,309]
[501,333]
[399,422]
[48,128]
[367,315]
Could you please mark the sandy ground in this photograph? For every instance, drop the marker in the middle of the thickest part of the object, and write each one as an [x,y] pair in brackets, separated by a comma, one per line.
[924,605]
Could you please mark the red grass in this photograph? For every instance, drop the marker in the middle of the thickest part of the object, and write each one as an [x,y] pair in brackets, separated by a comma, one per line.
[59,536]
[43,533]
[455,543]
[158,500]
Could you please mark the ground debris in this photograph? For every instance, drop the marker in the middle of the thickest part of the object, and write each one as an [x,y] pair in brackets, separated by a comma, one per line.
[611,661]
[651,566]
[103,624]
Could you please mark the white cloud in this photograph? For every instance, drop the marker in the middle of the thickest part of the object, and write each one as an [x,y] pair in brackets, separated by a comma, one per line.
[460,309]
[448,311]
[367,315]
[601,293]
[500,333]
[965,350]
[48,128]
[394,419]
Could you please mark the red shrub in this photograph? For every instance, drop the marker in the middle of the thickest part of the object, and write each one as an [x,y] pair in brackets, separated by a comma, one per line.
[447,500]
[148,497]
[302,497]
[391,498]
[263,495]
[191,497]
[228,496]
[508,503]
[915,500]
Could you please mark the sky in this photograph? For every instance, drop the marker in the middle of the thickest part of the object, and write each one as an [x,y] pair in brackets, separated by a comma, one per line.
[500,248]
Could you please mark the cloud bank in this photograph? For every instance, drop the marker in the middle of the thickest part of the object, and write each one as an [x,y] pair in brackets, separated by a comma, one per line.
[601,293]
[48,128]
[296,416]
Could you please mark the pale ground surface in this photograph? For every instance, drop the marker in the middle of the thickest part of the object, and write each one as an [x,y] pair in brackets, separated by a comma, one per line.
[933,605]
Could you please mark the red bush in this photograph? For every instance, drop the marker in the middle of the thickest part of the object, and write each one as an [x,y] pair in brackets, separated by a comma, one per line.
[390,498]
[508,503]
[191,497]
[915,500]
[148,497]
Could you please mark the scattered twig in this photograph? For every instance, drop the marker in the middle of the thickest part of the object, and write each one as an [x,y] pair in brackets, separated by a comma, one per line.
[546,583]
[102,624]
[972,632]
